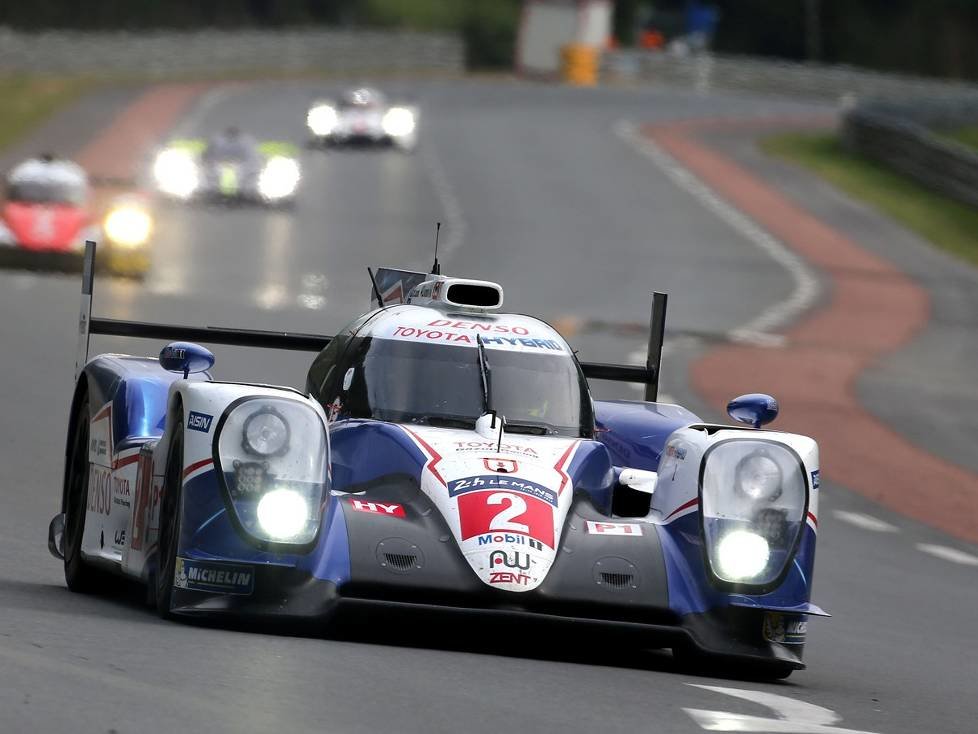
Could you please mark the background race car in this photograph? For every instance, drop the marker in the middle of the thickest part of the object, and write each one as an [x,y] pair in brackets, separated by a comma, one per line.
[230,168]
[363,116]
[47,215]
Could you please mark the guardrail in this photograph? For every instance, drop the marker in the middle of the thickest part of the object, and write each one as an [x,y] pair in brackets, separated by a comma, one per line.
[706,71]
[901,135]
[172,53]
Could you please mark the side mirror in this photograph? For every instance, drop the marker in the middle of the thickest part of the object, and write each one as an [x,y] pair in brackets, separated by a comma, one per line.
[638,479]
[754,409]
[185,357]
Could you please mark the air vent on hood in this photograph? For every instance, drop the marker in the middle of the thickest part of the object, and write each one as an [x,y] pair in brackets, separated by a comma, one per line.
[616,574]
[617,580]
[399,555]
[400,561]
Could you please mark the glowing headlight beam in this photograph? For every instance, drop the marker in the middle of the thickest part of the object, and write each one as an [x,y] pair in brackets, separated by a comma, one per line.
[279,178]
[128,225]
[321,119]
[175,172]
[398,122]
[742,555]
[283,513]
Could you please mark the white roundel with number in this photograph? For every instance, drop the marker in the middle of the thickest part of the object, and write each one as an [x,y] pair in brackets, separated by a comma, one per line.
[505,504]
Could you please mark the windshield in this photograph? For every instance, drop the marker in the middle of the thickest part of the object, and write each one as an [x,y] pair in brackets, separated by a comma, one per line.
[47,192]
[393,380]
[239,148]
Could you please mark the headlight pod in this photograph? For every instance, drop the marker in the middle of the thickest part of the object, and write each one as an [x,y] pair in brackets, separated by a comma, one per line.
[175,172]
[278,178]
[272,455]
[753,502]
[398,122]
[321,119]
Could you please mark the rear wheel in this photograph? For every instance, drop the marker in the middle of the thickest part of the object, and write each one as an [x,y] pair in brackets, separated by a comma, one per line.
[80,576]
[170,522]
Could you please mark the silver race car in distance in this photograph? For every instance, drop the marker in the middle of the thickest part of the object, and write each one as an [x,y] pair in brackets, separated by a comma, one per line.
[362,116]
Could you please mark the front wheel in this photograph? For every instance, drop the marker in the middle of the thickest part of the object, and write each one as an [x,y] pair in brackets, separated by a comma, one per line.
[80,576]
[170,523]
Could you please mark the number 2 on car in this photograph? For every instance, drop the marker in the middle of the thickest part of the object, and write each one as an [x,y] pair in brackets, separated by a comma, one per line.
[486,512]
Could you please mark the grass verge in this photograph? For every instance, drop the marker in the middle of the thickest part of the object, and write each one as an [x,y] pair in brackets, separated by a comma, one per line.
[946,223]
[28,100]
[966,135]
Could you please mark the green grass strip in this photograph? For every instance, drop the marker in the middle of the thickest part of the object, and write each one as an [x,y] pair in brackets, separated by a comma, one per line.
[29,100]
[948,224]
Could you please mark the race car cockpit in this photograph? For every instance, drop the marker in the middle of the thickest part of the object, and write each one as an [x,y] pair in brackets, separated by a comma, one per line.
[47,180]
[433,360]
[441,385]
[233,146]
[361,98]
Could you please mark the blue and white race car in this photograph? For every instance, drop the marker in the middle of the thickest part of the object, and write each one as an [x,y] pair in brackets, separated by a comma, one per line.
[444,457]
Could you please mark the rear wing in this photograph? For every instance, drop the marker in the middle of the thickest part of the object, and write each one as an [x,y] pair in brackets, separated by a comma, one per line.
[647,374]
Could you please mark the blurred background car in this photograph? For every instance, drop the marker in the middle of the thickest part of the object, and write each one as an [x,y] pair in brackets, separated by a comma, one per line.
[231,167]
[362,116]
[47,215]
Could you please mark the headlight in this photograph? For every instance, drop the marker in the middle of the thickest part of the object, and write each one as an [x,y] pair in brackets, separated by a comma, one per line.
[283,513]
[265,433]
[758,477]
[176,173]
[742,555]
[753,503]
[321,119]
[278,178]
[398,122]
[128,225]
[273,459]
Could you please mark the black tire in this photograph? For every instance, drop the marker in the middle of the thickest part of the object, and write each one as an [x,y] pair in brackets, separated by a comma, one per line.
[80,576]
[170,522]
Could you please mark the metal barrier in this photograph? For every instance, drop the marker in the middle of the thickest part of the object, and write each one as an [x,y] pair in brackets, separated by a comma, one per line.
[901,135]
[169,53]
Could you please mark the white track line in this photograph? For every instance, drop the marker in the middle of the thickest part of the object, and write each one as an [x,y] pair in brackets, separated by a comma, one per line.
[865,522]
[948,554]
[806,288]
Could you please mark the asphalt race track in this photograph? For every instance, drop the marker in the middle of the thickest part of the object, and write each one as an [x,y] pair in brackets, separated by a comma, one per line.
[537,192]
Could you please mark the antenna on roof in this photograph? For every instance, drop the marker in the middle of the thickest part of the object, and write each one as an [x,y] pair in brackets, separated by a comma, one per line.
[436,268]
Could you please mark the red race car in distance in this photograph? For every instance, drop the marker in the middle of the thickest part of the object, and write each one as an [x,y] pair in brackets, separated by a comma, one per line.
[47,215]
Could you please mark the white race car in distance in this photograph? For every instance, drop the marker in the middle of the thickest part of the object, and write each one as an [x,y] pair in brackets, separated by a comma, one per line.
[363,117]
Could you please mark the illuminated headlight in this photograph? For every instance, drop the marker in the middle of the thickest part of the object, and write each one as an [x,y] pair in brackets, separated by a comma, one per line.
[759,477]
[742,556]
[283,514]
[128,225]
[321,119]
[398,122]
[175,172]
[754,496]
[278,178]
[265,433]
[273,456]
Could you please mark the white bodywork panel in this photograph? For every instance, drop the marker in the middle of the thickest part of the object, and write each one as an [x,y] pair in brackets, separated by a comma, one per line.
[124,490]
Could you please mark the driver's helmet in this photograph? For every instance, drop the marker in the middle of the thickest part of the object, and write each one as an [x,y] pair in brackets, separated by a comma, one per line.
[361,97]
